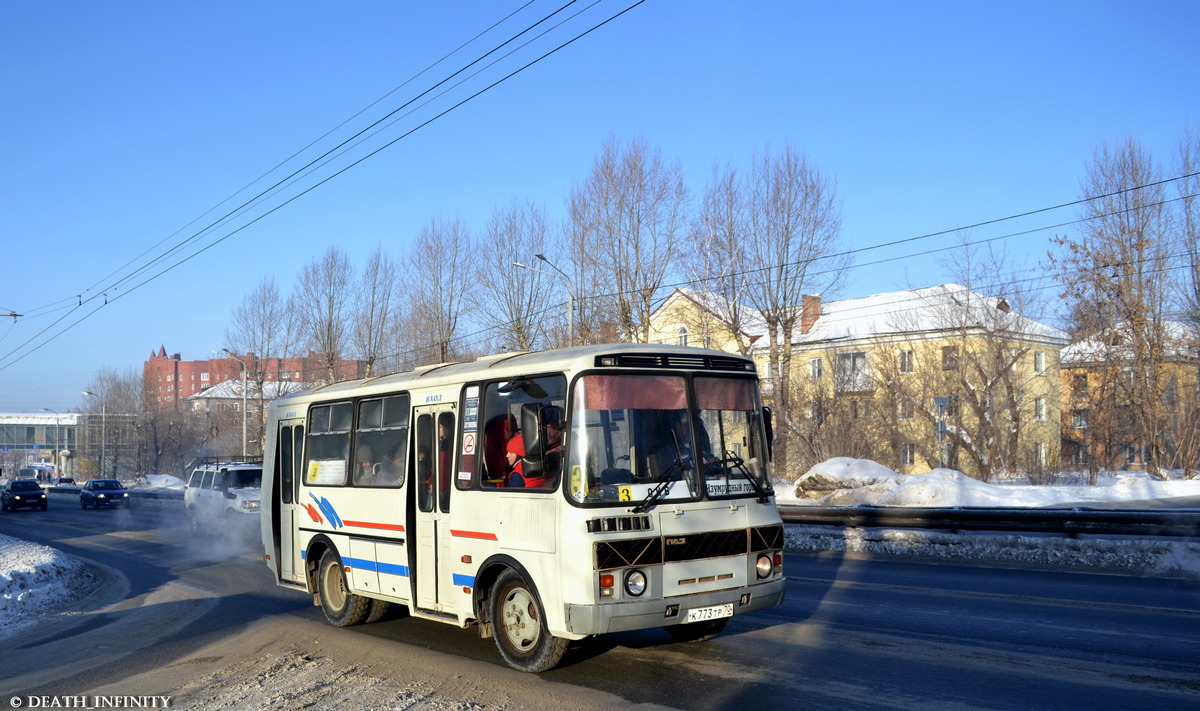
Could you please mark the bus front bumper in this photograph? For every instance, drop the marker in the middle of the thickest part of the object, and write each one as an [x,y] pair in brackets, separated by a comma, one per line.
[664,612]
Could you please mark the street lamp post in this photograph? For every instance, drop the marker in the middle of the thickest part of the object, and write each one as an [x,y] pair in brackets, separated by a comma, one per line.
[103,426]
[57,438]
[570,292]
[231,355]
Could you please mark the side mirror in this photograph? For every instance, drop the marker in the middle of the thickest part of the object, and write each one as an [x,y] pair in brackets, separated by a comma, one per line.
[769,423]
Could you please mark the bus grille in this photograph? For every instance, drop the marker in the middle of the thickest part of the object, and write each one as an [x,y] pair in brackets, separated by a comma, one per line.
[695,546]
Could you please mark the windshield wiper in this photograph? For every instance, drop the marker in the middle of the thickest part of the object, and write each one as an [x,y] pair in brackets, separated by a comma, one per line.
[732,462]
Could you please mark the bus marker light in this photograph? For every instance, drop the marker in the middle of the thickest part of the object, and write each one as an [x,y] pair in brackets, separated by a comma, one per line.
[466,559]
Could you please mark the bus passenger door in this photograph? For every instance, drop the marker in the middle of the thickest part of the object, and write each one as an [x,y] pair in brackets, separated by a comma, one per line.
[288,450]
[434,453]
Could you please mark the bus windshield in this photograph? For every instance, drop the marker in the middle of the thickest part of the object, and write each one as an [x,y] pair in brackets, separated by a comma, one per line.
[637,440]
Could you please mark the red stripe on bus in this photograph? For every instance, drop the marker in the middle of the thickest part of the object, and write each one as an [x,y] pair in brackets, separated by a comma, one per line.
[368,524]
[473,534]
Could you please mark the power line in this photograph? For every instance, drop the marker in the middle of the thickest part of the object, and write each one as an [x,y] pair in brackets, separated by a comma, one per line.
[408,133]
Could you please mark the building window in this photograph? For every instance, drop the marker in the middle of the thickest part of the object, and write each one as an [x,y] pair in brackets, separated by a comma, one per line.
[906,361]
[1039,362]
[908,454]
[1040,454]
[814,369]
[681,336]
[852,372]
[1039,409]
[204,377]
[949,357]
[904,410]
[1079,419]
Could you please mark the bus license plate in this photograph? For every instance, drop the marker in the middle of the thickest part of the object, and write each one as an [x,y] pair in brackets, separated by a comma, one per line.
[715,612]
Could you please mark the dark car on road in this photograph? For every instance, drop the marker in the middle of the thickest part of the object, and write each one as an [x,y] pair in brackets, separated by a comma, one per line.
[103,492]
[22,493]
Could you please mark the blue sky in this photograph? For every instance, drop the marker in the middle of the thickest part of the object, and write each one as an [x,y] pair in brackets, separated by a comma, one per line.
[126,121]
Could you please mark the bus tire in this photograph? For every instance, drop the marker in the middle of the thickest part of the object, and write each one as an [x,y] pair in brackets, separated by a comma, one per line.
[519,626]
[378,609]
[696,631]
[341,607]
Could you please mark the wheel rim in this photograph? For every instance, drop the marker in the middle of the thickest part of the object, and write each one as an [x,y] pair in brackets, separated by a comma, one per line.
[519,620]
[334,589]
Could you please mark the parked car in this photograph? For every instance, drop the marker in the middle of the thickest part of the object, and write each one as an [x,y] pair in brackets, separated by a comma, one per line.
[224,495]
[103,492]
[62,481]
[22,493]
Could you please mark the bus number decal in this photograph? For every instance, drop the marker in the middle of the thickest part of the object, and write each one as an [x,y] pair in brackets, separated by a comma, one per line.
[433,398]
[626,493]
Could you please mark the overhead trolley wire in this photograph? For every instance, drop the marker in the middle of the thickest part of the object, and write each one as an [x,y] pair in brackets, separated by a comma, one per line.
[13,358]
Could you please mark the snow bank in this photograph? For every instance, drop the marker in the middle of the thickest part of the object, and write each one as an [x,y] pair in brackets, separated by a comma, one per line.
[34,579]
[843,481]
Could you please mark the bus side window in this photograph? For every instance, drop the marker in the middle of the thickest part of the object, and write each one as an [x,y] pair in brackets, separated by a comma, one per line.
[286,465]
[423,462]
[445,458]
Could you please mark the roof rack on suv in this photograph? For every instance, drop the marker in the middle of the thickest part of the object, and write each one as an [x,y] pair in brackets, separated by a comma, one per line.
[228,459]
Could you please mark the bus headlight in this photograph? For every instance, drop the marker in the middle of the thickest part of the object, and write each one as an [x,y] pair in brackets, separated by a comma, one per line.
[764,566]
[635,583]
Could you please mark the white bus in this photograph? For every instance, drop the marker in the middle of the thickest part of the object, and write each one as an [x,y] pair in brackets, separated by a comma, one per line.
[640,497]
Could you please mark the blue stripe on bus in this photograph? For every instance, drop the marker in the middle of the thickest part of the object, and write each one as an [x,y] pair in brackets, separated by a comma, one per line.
[393,569]
[361,564]
[467,581]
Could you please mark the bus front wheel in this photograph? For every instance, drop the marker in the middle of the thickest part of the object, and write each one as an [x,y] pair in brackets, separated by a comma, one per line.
[519,626]
[341,607]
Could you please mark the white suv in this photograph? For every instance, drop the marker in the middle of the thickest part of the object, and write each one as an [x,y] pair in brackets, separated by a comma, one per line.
[223,495]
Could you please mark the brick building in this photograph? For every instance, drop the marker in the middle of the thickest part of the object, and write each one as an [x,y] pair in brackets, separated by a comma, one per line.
[171,380]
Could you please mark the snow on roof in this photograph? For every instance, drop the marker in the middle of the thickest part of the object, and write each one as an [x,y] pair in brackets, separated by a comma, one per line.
[232,390]
[926,310]
[17,418]
[1181,340]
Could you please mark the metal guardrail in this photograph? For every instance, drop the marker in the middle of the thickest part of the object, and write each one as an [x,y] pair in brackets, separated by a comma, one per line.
[1183,523]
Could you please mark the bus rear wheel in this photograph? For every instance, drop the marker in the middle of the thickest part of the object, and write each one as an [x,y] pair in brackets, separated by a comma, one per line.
[341,607]
[519,626]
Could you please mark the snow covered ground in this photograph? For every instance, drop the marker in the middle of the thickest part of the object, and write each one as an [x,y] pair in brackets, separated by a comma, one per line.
[35,578]
[843,481]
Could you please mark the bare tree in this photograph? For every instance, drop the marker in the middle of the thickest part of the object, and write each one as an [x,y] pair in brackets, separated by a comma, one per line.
[715,257]
[1189,221]
[794,242]
[1115,275]
[265,328]
[627,218]
[523,307]
[441,262]
[112,435]
[374,309]
[324,298]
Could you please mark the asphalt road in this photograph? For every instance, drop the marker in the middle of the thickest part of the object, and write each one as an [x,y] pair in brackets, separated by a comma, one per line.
[852,634]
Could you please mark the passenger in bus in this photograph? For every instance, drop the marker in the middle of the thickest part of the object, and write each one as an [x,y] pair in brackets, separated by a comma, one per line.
[676,448]
[552,418]
[425,478]
[367,466]
[392,467]
[495,455]
[445,459]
